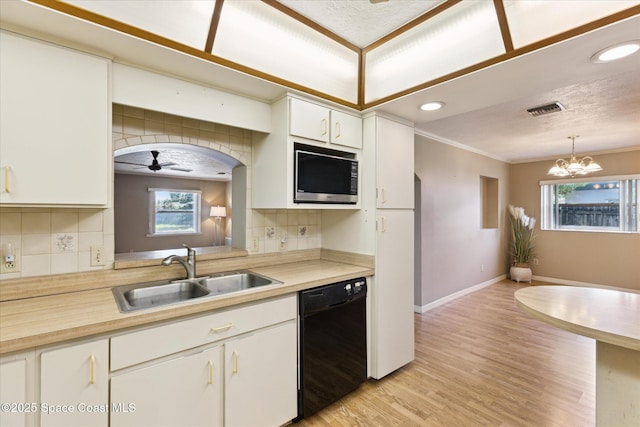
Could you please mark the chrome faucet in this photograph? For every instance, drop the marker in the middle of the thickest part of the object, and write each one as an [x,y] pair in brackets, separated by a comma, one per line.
[189,265]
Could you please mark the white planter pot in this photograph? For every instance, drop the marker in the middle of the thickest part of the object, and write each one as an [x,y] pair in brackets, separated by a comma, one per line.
[520,274]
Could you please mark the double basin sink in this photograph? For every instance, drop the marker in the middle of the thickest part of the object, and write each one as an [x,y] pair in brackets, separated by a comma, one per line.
[156,294]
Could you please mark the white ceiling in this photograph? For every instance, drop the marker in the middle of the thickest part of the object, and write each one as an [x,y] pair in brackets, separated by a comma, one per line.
[485,109]
[359,21]
[178,160]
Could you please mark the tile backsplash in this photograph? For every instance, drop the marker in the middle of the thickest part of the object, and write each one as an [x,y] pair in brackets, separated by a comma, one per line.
[55,241]
[59,240]
[273,230]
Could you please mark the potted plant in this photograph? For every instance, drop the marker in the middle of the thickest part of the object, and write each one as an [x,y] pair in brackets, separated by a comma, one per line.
[521,245]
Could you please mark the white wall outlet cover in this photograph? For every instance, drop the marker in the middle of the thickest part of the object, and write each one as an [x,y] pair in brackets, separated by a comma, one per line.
[11,265]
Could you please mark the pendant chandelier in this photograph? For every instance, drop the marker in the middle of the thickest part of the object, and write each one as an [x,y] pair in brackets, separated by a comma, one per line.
[574,166]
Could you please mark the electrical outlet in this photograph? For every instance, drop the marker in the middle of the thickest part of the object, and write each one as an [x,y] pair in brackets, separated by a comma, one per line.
[254,244]
[11,265]
[97,256]
[536,261]
[283,242]
[481,267]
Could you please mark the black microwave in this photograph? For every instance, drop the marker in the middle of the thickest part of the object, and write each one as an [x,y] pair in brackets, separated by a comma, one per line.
[324,176]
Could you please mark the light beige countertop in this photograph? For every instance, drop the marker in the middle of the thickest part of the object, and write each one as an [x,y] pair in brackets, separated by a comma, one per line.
[612,318]
[605,315]
[42,320]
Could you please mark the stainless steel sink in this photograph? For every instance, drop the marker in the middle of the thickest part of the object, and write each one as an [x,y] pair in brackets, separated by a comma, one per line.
[156,294]
[235,281]
[148,295]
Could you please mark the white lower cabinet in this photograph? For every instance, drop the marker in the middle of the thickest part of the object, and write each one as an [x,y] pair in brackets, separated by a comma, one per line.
[260,384]
[16,374]
[185,391]
[234,367]
[392,294]
[74,385]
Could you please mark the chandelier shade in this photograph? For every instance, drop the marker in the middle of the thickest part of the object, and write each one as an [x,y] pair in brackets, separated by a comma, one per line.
[574,166]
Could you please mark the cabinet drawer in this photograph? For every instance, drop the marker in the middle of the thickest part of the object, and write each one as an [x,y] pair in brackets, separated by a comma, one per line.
[147,344]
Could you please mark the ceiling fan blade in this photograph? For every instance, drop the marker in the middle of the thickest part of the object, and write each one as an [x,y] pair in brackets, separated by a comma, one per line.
[129,163]
[182,169]
[167,164]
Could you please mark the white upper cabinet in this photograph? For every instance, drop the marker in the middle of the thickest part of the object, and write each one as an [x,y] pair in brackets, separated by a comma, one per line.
[294,121]
[394,164]
[319,123]
[309,120]
[55,138]
[346,129]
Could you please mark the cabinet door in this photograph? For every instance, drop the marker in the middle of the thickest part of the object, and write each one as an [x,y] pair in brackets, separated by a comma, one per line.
[392,293]
[74,381]
[308,120]
[13,390]
[261,377]
[186,391]
[346,129]
[55,136]
[394,165]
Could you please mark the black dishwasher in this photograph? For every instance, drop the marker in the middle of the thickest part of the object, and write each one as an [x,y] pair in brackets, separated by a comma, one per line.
[333,343]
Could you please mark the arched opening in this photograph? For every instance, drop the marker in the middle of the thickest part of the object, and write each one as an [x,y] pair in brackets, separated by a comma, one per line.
[164,193]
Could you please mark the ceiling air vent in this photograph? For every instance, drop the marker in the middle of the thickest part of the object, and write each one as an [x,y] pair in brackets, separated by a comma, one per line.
[554,107]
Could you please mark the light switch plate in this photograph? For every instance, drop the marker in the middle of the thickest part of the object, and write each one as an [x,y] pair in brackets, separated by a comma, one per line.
[98,256]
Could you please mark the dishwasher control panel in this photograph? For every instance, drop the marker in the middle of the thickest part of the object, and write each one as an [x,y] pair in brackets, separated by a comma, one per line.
[333,294]
[355,287]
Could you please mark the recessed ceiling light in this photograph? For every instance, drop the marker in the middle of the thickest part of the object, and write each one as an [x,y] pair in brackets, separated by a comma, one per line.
[432,106]
[617,51]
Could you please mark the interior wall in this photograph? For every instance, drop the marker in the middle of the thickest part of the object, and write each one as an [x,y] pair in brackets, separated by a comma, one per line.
[131,212]
[456,252]
[599,258]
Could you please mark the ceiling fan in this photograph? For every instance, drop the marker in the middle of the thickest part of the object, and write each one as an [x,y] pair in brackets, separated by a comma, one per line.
[155,165]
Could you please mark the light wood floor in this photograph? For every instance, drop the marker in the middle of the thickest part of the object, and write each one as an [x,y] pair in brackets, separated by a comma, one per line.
[480,361]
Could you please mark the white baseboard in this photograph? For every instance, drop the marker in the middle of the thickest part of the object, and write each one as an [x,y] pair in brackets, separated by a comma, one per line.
[444,300]
[553,280]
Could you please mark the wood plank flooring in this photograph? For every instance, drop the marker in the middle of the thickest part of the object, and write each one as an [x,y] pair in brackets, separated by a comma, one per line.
[480,361]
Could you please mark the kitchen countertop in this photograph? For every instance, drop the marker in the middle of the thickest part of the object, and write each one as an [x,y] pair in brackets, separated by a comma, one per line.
[605,315]
[32,322]
[612,318]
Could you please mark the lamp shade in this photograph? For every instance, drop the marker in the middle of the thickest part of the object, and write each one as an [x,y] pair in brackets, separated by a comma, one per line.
[218,211]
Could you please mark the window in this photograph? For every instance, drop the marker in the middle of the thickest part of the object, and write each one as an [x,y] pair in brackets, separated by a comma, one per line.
[174,211]
[601,204]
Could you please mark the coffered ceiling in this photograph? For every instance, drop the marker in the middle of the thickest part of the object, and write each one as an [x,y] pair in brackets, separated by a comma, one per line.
[488,61]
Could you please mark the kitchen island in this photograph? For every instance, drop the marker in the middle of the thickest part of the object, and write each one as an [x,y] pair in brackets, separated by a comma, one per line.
[610,317]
